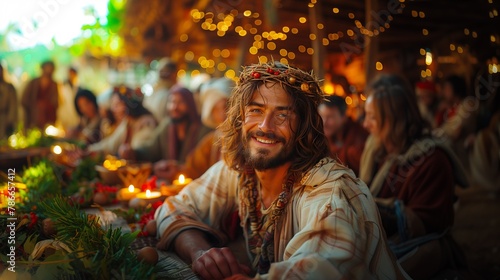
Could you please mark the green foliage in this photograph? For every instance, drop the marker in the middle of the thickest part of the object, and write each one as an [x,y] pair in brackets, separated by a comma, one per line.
[97,253]
[41,182]
[33,137]
[85,171]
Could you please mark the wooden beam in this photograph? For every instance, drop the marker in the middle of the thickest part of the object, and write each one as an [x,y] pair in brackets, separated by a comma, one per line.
[318,59]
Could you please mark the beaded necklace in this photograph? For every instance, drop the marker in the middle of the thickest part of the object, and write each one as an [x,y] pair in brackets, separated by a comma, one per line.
[261,228]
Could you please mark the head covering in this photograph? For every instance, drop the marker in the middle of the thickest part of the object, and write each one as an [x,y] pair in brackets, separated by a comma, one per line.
[187,97]
[211,93]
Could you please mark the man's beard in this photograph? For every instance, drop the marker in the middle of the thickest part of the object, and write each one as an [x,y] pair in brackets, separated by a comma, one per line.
[261,161]
[180,119]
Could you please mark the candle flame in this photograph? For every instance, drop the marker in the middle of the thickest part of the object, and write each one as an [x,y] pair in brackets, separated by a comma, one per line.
[148,193]
[131,188]
[182,179]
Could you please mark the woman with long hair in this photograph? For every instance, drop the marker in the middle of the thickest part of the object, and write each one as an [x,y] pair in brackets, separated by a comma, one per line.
[412,177]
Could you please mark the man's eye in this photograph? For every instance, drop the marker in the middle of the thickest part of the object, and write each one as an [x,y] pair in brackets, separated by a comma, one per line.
[254,111]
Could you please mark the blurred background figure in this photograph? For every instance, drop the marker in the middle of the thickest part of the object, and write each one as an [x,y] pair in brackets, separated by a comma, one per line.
[174,138]
[427,101]
[484,154]
[167,77]
[89,128]
[8,106]
[458,119]
[67,114]
[214,97]
[40,99]
[412,177]
[346,137]
[136,126]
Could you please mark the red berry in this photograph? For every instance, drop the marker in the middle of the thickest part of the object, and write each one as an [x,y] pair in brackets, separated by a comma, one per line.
[256,75]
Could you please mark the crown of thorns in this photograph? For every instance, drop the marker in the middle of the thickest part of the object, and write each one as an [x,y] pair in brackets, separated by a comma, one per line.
[293,77]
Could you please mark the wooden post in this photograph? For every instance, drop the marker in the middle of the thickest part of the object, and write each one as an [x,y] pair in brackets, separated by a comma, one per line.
[371,45]
[319,55]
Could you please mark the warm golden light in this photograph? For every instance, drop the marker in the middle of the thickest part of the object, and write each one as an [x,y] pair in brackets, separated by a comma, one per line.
[52,130]
[328,88]
[452,47]
[57,150]
[336,10]
[225,53]
[348,100]
[428,58]
[379,66]
[230,74]
[422,51]
[425,32]
[131,188]
[247,13]
[302,20]
[148,193]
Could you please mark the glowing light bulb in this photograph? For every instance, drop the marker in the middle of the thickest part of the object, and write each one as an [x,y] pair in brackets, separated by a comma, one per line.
[57,150]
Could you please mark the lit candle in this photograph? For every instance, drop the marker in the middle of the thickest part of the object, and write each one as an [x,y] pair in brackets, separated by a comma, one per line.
[126,194]
[176,187]
[182,181]
[144,198]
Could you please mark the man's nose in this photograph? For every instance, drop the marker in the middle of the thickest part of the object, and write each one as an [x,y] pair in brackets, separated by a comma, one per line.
[267,123]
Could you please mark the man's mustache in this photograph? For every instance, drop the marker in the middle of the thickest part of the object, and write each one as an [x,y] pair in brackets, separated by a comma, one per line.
[269,135]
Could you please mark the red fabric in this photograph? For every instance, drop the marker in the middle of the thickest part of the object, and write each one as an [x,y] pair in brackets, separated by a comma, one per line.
[426,187]
[427,85]
[353,139]
[444,115]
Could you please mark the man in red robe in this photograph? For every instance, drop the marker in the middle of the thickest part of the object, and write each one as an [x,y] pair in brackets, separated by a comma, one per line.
[346,138]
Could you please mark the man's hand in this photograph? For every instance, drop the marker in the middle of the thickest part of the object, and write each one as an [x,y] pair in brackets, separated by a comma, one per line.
[166,169]
[218,263]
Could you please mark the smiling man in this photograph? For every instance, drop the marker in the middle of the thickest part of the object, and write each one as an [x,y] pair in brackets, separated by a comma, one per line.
[302,215]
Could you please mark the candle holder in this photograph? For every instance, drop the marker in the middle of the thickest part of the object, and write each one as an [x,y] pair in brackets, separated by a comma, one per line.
[176,186]
[143,199]
[124,195]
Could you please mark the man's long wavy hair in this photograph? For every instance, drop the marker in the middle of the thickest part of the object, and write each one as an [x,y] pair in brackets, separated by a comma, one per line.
[309,142]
